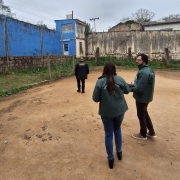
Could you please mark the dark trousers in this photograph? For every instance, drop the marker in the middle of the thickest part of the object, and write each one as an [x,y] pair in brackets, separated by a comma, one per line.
[79,83]
[144,118]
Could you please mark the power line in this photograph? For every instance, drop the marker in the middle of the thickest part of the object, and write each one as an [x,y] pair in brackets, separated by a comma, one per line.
[38,8]
[33,14]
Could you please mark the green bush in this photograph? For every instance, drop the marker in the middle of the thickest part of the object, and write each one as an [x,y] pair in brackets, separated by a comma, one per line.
[13,82]
[125,63]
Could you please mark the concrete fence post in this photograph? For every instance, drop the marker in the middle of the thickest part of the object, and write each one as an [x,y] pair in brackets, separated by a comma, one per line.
[41,42]
[129,54]
[96,54]
[166,55]
[6,43]
[49,66]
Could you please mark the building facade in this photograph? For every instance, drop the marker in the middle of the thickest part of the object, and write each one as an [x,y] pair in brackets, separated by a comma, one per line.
[170,25]
[72,36]
[124,27]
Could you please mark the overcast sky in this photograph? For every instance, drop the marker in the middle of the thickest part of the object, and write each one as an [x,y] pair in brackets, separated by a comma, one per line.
[109,11]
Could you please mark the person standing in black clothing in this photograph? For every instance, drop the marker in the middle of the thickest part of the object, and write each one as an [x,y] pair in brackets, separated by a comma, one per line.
[81,72]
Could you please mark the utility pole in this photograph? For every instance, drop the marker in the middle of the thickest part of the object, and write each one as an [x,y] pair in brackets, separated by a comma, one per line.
[93,19]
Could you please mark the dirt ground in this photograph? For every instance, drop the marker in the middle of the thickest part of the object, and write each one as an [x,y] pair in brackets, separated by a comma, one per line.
[54,133]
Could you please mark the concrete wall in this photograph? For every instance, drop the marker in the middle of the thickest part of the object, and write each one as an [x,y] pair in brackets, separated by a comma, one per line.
[78,52]
[152,43]
[24,39]
[27,62]
[2,39]
[51,42]
[80,38]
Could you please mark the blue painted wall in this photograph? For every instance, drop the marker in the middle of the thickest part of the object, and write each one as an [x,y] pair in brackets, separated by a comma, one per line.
[24,39]
[68,37]
[51,42]
[2,40]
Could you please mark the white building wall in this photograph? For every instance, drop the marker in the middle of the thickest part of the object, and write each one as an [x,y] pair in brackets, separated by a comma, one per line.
[158,27]
[80,37]
[78,54]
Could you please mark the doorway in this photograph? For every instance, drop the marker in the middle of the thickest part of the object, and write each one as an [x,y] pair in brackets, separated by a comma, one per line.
[66,49]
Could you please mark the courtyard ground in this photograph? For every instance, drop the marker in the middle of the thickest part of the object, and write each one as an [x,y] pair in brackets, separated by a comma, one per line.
[54,133]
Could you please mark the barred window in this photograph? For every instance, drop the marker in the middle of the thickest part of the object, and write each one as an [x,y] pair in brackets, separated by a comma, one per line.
[79,29]
[66,28]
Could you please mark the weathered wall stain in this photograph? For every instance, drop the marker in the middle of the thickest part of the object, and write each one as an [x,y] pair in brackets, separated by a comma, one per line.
[152,43]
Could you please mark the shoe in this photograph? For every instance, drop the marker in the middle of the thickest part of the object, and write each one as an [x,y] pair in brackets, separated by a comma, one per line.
[83,91]
[119,155]
[78,90]
[111,163]
[151,135]
[139,136]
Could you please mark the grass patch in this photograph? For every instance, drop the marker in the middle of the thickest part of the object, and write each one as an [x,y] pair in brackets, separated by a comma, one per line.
[15,81]
[125,64]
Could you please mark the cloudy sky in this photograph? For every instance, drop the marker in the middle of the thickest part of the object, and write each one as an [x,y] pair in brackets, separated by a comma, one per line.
[109,11]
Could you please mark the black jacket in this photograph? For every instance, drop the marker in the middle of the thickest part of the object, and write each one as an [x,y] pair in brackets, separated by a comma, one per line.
[81,70]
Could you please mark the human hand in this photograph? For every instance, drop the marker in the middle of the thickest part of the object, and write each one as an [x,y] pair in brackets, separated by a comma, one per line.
[131,84]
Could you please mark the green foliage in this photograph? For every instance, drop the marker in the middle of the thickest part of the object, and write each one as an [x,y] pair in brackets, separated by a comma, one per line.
[5,10]
[126,64]
[15,81]
[142,15]
[88,28]
[173,65]
[118,62]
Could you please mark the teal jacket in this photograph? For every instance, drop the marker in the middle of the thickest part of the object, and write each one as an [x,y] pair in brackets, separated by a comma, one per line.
[111,105]
[143,88]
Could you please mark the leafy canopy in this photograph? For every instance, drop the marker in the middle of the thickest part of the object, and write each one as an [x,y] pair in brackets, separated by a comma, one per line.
[142,15]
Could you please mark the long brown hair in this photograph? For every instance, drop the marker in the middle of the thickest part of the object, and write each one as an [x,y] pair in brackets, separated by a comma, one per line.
[109,71]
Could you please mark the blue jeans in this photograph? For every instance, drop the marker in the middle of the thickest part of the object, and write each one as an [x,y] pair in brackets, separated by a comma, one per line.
[112,125]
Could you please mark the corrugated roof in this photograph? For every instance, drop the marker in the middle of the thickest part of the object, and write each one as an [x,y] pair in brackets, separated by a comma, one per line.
[161,22]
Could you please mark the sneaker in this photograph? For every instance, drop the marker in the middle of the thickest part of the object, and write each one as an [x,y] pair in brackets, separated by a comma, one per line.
[139,136]
[152,135]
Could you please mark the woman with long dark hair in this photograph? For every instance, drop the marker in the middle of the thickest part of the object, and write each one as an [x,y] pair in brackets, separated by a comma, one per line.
[109,92]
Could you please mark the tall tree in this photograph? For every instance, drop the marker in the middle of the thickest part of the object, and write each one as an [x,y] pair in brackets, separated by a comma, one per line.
[142,15]
[5,10]
[171,17]
[88,28]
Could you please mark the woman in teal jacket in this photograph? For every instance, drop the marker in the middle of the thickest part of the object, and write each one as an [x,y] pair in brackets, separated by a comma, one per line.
[109,92]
